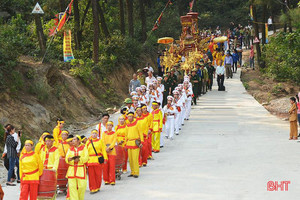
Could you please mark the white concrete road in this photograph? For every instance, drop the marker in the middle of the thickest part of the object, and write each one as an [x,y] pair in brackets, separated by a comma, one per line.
[229,149]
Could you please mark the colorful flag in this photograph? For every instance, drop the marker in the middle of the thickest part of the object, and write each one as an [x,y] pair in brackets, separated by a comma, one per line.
[68,54]
[251,12]
[62,20]
[267,32]
[191,5]
[157,22]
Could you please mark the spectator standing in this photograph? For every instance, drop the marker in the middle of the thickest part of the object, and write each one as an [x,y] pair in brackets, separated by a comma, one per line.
[159,67]
[150,78]
[293,119]
[270,23]
[11,146]
[251,57]
[240,53]
[134,83]
[141,77]
[220,76]
[235,58]
[228,63]
[298,108]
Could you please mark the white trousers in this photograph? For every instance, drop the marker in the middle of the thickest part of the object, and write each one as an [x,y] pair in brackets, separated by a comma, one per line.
[170,126]
[177,122]
[188,108]
[183,111]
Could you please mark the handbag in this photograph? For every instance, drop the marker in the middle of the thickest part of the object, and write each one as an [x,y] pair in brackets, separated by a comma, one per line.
[138,142]
[100,159]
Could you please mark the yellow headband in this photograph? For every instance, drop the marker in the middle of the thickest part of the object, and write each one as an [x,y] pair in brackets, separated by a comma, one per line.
[67,132]
[49,139]
[94,131]
[138,108]
[144,107]
[29,141]
[130,114]
[154,103]
[110,122]
[69,139]
[78,136]
[45,133]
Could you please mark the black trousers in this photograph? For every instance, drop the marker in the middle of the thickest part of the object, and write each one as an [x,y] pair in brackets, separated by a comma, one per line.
[210,82]
[220,80]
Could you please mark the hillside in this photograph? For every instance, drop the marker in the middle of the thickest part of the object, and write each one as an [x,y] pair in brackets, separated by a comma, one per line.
[46,92]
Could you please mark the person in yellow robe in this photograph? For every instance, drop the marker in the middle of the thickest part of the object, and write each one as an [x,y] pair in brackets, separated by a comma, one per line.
[57,131]
[63,146]
[96,149]
[149,118]
[120,130]
[143,123]
[50,154]
[133,135]
[31,168]
[157,127]
[77,158]
[110,140]
[41,143]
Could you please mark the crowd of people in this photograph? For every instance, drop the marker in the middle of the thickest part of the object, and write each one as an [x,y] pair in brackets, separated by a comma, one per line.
[156,111]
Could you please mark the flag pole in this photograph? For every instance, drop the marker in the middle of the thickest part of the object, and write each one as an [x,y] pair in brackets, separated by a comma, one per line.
[54,33]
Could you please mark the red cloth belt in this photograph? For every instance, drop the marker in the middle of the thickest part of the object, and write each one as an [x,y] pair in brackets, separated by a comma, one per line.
[99,154]
[29,173]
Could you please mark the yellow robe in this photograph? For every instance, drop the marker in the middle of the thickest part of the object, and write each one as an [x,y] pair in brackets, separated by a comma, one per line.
[121,132]
[30,166]
[50,158]
[57,135]
[100,148]
[76,174]
[157,120]
[133,132]
[110,139]
[63,148]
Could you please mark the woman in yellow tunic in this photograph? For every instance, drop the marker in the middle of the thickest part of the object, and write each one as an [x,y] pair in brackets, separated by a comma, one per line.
[110,139]
[57,131]
[157,127]
[31,168]
[50,154]
[63,146]
[41,143]
[143,122]
[133,133]
[149,118]
[120,130]
[95,168]
[77,158]
[293,119]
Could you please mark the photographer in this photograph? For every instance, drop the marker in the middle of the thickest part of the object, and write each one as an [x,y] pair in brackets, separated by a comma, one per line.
[11,146]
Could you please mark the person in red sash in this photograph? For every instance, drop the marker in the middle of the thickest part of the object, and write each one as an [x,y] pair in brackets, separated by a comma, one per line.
[121,132]
[110,139]
[101,127]
[96,149]
[149,118]
[31,168]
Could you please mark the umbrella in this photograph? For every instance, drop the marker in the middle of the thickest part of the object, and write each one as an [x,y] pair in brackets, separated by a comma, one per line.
[165,40]
[220,39]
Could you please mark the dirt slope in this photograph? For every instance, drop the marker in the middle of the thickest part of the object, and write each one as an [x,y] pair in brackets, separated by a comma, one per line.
[48,92]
